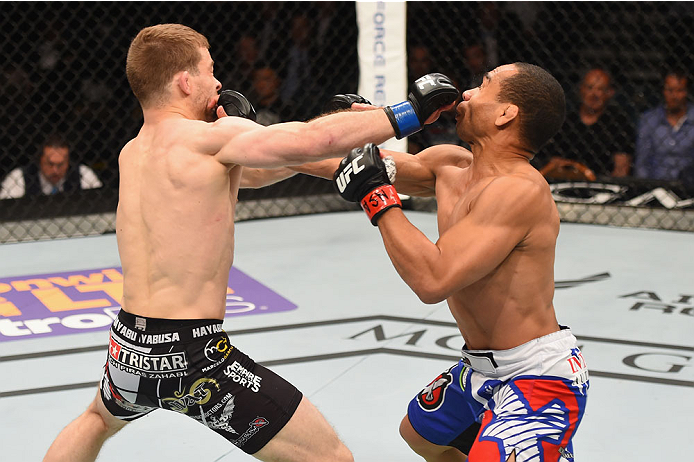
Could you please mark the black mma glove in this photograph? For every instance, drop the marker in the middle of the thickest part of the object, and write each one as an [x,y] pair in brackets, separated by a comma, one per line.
[235,104]
[341,102]
[366,178]
[427,94]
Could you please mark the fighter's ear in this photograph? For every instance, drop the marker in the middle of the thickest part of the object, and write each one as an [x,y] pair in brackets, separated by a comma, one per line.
[182,80]
[510,112]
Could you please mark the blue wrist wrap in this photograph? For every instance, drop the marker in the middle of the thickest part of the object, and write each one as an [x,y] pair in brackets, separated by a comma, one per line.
[405,119]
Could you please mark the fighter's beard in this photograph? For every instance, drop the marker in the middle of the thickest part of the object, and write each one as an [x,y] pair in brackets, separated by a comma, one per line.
[207,113]
[211,114]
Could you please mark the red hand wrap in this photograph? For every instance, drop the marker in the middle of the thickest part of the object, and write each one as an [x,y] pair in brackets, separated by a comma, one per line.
[380,199]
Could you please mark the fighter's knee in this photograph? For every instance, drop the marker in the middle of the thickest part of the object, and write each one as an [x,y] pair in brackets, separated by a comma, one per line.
[102,420]
[408,433]
[422,446]
[336,451]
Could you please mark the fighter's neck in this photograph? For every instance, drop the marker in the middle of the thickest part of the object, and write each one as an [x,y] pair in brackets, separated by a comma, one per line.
[491,164]
[489,154]
[158,114]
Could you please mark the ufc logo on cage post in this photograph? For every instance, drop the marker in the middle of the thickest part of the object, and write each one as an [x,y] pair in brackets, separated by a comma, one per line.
[353,167]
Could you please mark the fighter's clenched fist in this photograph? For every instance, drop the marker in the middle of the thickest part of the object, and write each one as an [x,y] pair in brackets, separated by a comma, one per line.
[366,178]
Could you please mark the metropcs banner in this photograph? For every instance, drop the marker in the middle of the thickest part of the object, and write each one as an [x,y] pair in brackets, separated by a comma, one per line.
[84,301]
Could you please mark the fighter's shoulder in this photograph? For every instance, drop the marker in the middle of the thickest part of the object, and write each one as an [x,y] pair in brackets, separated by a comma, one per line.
[519,191]
[233,123]
[528,181]
[187,129]
[125,150]
[192,130]
[446,155]
[218,133]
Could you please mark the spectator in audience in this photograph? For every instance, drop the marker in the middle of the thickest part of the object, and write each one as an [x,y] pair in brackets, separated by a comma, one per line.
[595,140]
[665,138]
[16,108]
[299,78]
[335,46]
[271,31]
[475,64]
[247,56]
[419,62]
[265,95]
[328,21]
[51,46]
[94,100]
[527,13]
[495,27]
[52,174]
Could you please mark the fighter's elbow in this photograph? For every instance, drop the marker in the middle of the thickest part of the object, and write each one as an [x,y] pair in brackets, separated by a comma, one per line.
[430,293]
[430,299]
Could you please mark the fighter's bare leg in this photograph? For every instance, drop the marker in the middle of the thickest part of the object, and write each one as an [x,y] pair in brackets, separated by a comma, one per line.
[82,439]
[307,437]
[429,451]
[433,452]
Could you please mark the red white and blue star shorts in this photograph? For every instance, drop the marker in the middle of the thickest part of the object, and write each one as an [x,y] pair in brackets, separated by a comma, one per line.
[492,403]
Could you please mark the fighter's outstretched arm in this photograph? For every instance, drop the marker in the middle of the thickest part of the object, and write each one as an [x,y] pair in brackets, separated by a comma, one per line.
[242,142]
[416,174]
[497,222]
[233,140]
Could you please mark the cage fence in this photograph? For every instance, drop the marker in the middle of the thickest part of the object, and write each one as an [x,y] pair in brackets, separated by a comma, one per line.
[62,76]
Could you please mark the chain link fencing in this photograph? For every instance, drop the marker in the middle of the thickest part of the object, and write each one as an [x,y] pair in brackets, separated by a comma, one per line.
[62,72]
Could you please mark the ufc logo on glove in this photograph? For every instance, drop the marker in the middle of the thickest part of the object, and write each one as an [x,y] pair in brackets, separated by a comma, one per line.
[366,178]
[424,81]
[353,167]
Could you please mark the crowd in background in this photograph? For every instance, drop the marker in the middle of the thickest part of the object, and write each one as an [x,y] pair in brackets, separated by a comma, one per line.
[629,107]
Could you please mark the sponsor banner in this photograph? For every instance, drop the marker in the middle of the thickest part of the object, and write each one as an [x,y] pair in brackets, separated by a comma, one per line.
[383,56]
[45,305]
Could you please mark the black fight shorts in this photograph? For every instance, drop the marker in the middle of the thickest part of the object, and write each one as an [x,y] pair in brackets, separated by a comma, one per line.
[190,366]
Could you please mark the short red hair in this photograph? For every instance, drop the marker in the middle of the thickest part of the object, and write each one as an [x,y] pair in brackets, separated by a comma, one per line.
[156,54]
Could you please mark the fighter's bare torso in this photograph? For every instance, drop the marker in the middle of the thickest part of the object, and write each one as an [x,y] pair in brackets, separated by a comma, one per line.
[494,259]
[175,224]
[513,303]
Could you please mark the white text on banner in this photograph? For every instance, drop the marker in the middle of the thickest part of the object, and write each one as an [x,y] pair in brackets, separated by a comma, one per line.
[383,56]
